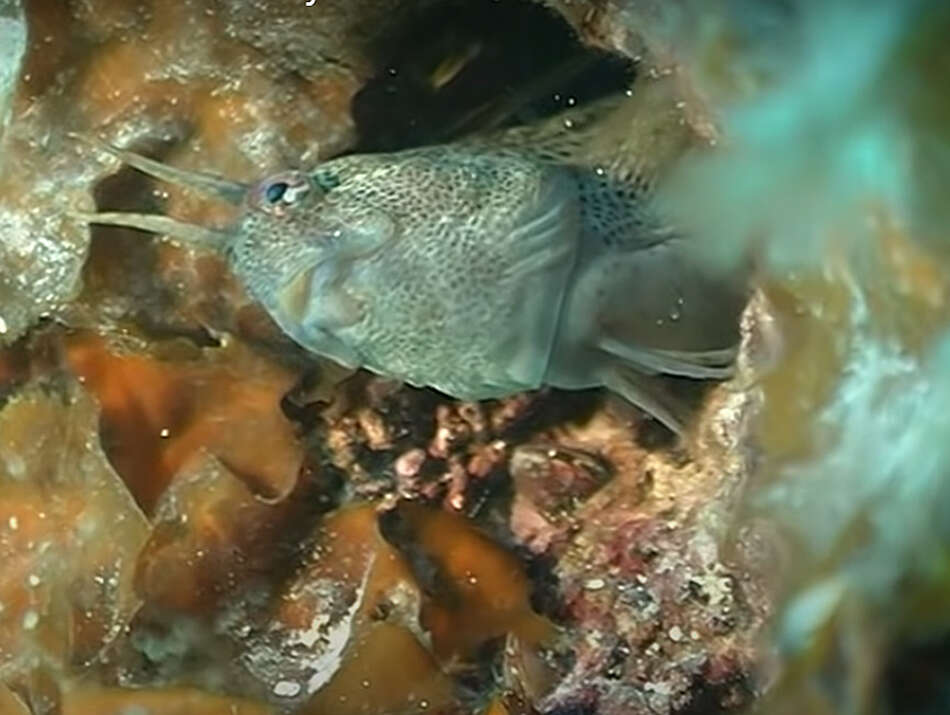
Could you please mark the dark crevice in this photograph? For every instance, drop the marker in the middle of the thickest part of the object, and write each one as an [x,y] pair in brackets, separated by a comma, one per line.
[917,677]
[461,66]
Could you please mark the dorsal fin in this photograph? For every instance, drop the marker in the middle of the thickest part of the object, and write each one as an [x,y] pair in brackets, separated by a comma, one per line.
[633,137]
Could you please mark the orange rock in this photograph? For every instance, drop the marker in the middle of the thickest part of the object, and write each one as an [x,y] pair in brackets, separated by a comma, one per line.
[210,535]
[113,81]
[348,633]
[385,670]
[158,414]
[168,701]
[479,591]
[10,704]
[383,663]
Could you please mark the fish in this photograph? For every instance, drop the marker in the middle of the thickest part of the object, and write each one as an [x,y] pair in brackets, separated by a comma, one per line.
[490,265]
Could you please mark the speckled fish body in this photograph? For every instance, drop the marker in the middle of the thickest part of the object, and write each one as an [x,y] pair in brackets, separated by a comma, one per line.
[484,267]
[440,266]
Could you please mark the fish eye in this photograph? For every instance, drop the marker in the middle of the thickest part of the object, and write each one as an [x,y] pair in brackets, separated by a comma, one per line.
[275,192]
[278,193]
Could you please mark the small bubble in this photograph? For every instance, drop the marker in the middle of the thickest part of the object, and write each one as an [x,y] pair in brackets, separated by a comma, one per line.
[594,584]
[568,124]
[14,523]
[30,620]
[676,634]
[3,326]
[33,580]
[287,689]
[571,101]
[165,433]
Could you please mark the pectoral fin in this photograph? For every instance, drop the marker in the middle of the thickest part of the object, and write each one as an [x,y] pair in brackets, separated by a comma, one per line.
[703,364]
[651,394]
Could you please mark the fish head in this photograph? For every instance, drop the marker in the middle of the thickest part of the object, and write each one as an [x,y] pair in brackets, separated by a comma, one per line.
[295,248]
[287,243]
